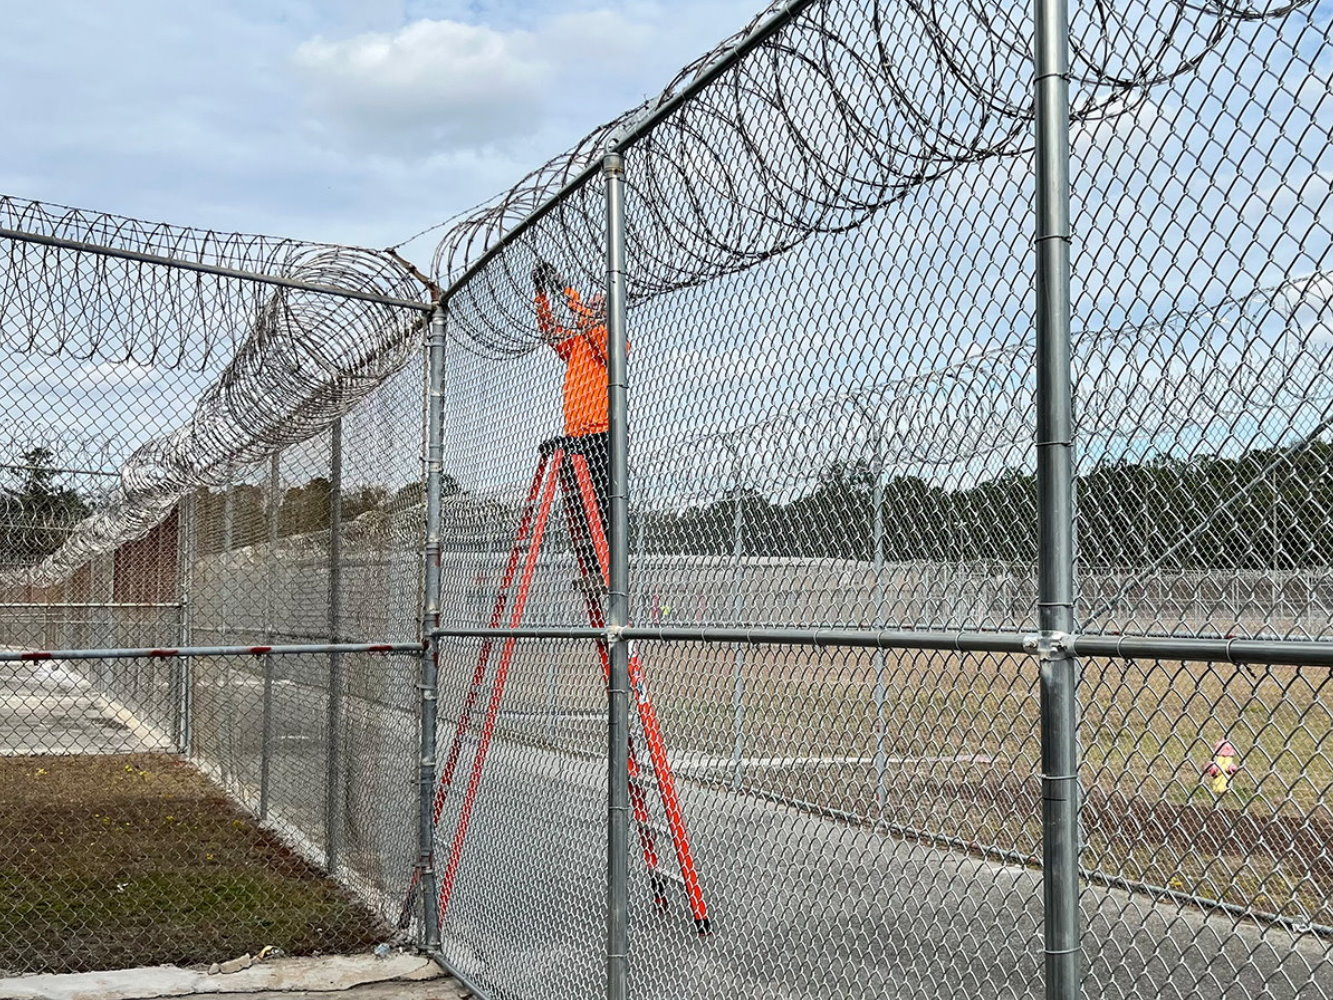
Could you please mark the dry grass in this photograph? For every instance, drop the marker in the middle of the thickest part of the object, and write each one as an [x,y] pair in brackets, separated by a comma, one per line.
[961,736]
[124,860]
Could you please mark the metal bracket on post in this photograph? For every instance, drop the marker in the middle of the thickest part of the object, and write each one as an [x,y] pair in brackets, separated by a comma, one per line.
[1048,646]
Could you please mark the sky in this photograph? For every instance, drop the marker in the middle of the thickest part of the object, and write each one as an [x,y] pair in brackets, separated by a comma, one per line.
[366,122]
[349,121]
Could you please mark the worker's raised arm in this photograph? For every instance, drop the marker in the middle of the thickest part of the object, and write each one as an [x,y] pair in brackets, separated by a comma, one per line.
[544,277]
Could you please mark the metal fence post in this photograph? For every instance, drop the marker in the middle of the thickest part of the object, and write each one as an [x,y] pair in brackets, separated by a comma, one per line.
[881,691]
[430,666]
[1055,485]
[183,669]
[227,745]
[333,792]
[266,737]
[737,608]
[617,809]
[880,695]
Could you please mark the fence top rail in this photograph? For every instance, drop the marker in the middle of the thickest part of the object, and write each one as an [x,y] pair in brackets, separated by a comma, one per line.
[182,264]
[1293,652]
[394,648]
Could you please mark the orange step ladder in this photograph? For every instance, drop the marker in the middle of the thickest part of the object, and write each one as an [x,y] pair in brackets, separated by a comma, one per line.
[588,537]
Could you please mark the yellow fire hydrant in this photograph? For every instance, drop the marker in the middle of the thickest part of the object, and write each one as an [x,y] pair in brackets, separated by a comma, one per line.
[1224,764]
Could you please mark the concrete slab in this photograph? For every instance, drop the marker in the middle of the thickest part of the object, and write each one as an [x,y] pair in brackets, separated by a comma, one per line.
[445,989]
[48,709]
[401,974]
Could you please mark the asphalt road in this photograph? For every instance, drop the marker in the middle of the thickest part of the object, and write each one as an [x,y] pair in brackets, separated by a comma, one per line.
[801,906]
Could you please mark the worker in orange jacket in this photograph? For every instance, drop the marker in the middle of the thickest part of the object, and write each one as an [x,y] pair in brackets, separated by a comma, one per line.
[581,345]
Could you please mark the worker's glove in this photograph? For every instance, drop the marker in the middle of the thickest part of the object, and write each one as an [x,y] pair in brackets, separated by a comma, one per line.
[545,277]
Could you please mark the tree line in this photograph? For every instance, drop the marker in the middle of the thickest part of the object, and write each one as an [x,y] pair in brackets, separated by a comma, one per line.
[302,509]
[1268,508]
[36,512]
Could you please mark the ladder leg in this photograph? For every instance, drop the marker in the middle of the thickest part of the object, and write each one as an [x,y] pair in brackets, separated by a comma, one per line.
[666,786]
[592,518]
[594,542]
[497,690]
[638,798]
[483,659]
[479,674]
[652,731]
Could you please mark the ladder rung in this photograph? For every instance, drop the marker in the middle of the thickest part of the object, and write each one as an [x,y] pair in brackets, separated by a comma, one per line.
[675,876]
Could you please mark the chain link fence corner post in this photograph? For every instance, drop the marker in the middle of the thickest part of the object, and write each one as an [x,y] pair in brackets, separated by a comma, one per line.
[182,668]
[617,855]
[430,620]
[230,778]
[1055,505]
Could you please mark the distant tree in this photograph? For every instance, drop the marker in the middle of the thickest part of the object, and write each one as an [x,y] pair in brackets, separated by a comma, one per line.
[305,508]
[37,512]
[360,500]
[237,515]
[413,494]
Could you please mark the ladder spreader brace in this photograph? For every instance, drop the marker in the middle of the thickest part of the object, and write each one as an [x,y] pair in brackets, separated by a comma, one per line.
[531,529]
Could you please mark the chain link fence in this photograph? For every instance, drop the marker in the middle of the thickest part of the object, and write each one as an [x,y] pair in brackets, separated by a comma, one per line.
[200,756]
[835,512]
[781,645]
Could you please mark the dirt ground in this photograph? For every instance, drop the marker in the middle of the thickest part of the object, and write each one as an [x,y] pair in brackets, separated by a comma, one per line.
[121,860]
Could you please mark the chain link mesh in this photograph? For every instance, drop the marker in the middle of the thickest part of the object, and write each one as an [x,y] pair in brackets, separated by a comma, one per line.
[832,406]
[832,410]
[169,483]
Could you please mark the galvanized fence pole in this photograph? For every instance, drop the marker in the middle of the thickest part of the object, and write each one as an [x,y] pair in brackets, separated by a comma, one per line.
[880,694]
[266,737]
[228,742]
[617,815]
[737,609]
[430,620]
[1055,486]
[333,791]
[183,669]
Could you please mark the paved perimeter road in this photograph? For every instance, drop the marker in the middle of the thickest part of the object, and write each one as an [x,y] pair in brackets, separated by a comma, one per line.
[808,907]
[47,709]
[802,906]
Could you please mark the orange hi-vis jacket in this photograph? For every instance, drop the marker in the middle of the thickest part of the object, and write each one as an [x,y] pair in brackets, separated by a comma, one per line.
[583,350]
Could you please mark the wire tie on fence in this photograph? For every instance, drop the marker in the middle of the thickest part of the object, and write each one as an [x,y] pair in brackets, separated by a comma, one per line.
[1062,951]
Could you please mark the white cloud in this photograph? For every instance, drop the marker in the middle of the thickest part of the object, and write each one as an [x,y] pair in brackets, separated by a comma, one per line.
[443,85]
[464,83]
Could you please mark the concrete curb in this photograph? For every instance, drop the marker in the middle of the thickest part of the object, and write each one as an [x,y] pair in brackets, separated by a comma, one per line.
[330,975]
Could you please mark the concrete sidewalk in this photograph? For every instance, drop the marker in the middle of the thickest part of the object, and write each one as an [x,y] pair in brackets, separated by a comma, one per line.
[354,977]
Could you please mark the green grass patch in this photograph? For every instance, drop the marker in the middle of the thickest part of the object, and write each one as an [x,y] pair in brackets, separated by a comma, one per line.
[124,860]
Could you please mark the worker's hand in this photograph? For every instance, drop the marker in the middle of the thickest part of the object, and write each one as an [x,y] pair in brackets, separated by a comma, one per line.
[545,277]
